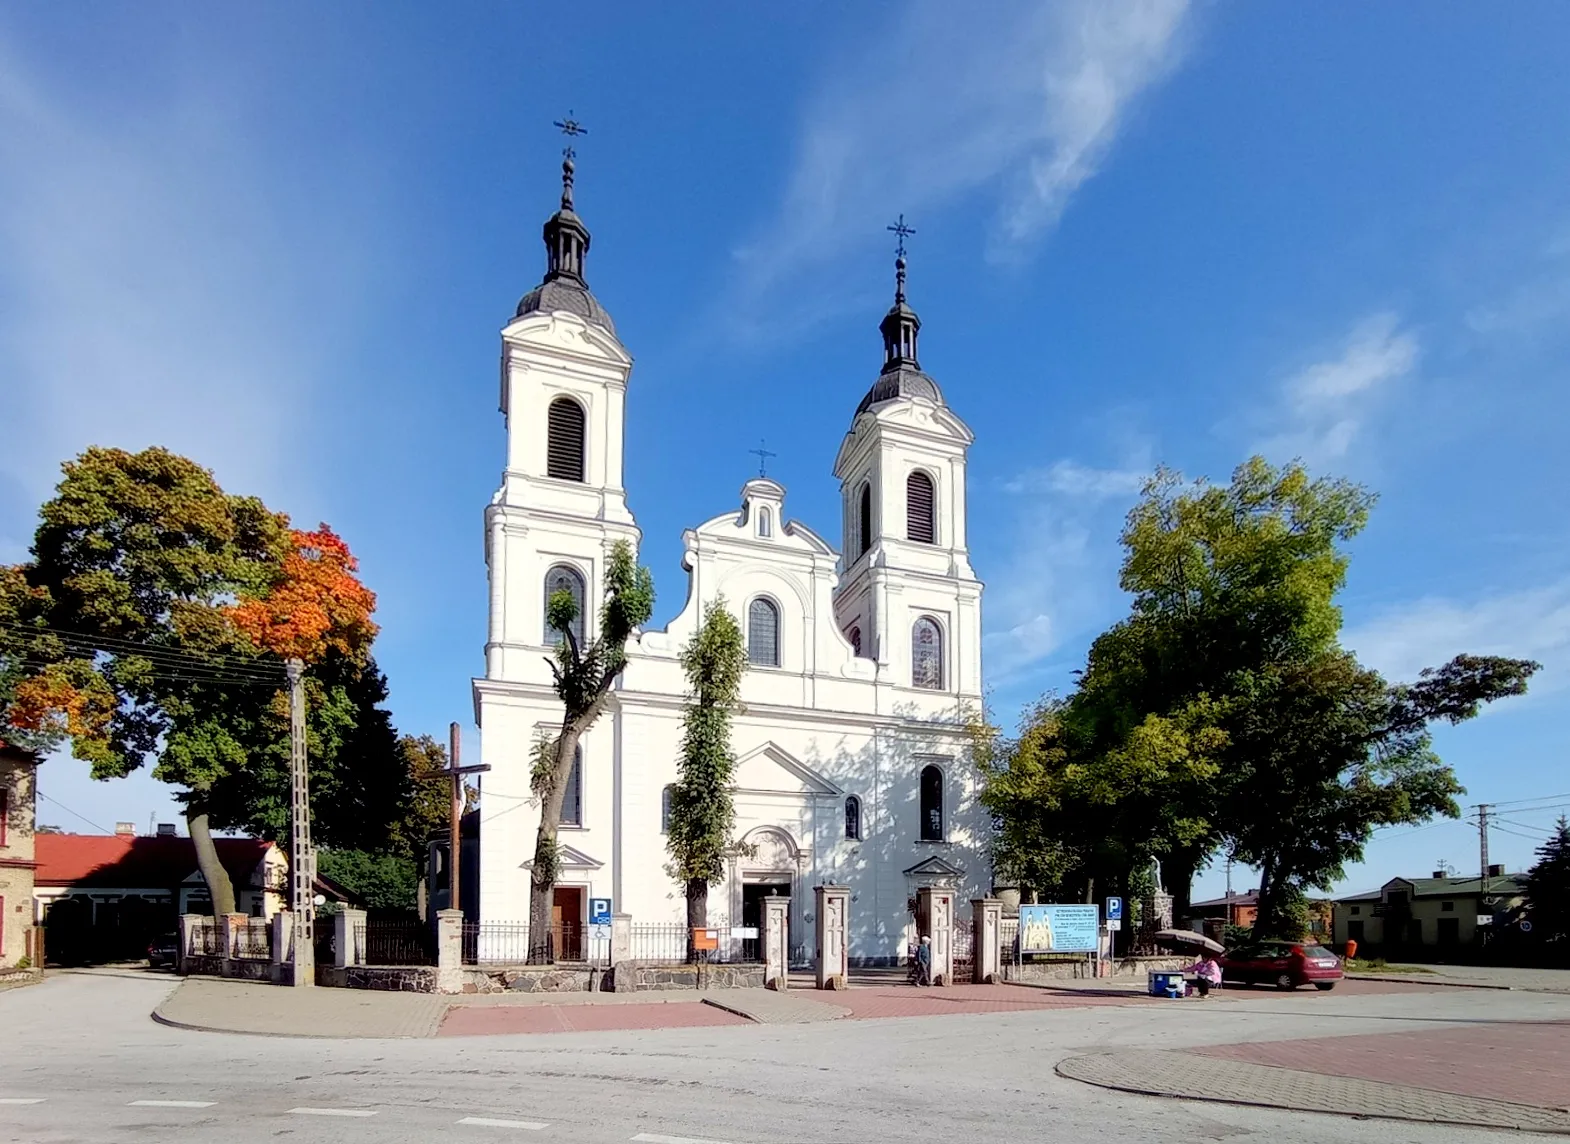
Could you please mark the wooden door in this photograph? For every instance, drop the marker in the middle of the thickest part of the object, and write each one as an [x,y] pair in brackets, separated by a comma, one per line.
[567,923]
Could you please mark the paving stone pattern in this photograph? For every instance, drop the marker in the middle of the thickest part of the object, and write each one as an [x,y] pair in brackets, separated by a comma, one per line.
[1190,1075]
[477,1020]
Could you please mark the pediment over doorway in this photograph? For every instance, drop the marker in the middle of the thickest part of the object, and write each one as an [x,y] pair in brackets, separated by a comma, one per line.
[572,859]
[770,769]
[935,870]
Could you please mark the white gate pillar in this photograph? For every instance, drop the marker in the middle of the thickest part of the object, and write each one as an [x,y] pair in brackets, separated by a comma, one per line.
[987,936]
[776,943]
[833,927]
[936,905]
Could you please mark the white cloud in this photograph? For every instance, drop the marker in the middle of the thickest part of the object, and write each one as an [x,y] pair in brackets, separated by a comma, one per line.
[1531,623]
[1022,101]
[1071,479]
[1325,406]
[154,284]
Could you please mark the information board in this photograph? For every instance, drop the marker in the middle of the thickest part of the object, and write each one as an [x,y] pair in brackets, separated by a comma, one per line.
[1059,929]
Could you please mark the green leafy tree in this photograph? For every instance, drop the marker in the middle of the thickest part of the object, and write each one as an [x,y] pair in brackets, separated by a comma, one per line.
[702,810]
[1547,889]
[583,677]
[383,881]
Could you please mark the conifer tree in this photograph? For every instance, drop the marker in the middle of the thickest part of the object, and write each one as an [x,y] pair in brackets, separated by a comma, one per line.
[1547,887]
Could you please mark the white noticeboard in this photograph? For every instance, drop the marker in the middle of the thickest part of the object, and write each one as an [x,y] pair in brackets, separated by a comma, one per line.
[1485,919]
[1114,924]
[744,932]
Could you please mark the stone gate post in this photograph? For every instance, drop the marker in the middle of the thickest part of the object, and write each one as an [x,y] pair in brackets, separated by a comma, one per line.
[228,925]
[833,924]
[349,937]
[449,951]
[621,938]
[776,943]
[283,946]
[936,905]
[987,933]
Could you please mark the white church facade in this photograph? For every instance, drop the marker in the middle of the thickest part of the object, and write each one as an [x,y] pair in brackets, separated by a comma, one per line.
[864,663]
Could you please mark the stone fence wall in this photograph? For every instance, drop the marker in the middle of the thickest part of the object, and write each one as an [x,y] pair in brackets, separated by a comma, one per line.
[638,977]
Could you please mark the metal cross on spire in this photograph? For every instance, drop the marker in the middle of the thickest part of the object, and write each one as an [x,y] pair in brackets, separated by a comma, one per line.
[903,232]
[571,128]
[763,453]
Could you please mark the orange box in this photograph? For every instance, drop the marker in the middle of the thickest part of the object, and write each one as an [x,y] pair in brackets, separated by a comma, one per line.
[705,938]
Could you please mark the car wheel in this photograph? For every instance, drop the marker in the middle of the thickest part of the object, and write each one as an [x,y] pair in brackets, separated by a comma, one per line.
[1284,981]
[1324,986]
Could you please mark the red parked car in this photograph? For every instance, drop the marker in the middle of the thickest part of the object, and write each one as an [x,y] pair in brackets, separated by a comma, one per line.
[1284,964]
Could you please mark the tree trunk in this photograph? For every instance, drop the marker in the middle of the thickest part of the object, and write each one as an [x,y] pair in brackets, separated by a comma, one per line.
[1264,905]
[1177,879]
[219,887]
[542,878]
[697,912]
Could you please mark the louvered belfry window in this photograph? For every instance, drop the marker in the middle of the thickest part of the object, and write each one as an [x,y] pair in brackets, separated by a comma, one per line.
[919,498]
[564,447]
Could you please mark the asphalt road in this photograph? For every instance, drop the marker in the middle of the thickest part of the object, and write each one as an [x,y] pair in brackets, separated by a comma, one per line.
[81,1050]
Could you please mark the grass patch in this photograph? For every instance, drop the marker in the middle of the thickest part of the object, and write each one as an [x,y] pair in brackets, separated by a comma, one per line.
[1379,965]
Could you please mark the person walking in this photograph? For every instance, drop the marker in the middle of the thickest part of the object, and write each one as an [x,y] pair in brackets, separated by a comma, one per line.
[924,961]
[1207,973]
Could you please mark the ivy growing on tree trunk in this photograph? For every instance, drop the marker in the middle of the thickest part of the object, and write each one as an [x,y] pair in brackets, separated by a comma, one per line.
[584,676]
[702,808]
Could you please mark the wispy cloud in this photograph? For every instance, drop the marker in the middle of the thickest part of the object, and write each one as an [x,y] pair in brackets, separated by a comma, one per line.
[1533,623]
[1021,102]
[1323,408]
[1541,299]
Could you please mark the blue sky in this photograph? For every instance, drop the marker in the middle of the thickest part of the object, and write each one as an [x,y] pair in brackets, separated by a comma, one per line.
[283,242]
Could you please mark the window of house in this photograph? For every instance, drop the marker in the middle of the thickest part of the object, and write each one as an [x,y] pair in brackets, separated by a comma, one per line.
[1356,910]
[564,578]
[5,813]
[864,521]
[765,522]
[926,654]
[854,636]
[763,633]
[853,817]
[665,809]
[572,798]
[920,498]
[1447,907]
[565,439]
[931,804]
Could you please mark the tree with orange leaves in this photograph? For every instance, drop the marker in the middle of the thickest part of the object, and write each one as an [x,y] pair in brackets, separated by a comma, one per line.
[150,628]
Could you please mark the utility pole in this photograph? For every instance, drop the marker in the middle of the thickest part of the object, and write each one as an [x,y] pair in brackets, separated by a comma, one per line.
[455,839]
[303,867]
[1485,900]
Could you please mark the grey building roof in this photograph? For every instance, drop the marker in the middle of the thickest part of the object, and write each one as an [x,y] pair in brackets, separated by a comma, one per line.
[565,294]
[901,382]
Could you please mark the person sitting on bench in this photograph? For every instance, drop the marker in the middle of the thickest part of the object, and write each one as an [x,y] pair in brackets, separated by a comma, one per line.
[1207,973]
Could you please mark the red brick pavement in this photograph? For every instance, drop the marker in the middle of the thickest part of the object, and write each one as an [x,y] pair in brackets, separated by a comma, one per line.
[1523,1062]
[465,1021]
[905,1001]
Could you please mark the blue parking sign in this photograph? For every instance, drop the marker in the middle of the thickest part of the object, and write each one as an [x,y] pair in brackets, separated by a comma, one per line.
[599,911]
[1114,909]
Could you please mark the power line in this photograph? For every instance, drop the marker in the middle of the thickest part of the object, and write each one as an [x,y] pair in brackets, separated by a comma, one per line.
[1540,798]
[164,660]
[68,810]
[1526,826]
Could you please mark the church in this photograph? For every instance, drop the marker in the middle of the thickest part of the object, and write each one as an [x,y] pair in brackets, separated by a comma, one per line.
[864,663]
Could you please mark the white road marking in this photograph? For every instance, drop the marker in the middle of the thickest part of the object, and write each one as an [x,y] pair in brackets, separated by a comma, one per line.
[21,1100]
[489,1122]
[653,1138]
[334,1111]
[172,1104]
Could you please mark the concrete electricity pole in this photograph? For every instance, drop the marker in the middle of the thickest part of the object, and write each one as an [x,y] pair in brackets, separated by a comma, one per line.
[302,868]
[1484,901]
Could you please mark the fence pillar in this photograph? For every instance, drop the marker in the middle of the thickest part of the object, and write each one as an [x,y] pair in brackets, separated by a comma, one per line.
[228,927]
[776,943]
[936,906]
[621,938]
[833,926]
[349,937]
[987,937]
[188,926]
[449,951]
[283,945]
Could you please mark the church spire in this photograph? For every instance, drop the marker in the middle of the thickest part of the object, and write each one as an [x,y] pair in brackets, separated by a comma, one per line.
[566,238]
[900,325]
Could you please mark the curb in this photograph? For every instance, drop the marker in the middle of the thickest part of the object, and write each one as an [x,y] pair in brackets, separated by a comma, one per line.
[160,1019]
[1431,979]
[724,1008]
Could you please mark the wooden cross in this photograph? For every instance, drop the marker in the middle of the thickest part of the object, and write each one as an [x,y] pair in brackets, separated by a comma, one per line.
[455,843]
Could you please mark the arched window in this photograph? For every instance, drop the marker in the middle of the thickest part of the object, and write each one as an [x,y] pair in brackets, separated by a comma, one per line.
[765,522]
[665,809]
[564,444]
[572,800]
[763,633]
[864,522]
[920,497]
[854,636]
[563,578]
[931,804]
[853,817]
[926,654]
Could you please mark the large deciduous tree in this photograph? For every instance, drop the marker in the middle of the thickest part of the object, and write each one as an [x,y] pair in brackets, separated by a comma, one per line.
[584,675]
[146,628]
[702,807]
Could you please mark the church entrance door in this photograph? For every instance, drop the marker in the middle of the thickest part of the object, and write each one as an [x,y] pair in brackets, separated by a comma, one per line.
[567,923]
[752,895]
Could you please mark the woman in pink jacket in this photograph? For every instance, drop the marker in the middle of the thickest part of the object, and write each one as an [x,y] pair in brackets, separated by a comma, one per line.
[1207,973]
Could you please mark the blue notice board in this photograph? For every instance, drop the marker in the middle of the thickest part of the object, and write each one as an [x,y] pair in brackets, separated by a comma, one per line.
[1059,929]
[599,911]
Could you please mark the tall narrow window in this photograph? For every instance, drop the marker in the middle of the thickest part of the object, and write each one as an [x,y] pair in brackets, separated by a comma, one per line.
[854,636]
[765,522]
[864,522]
[763,633]
[564,445]
[572,800]
[853,817]
[926,654]
[931,804]
[920,498]
[563,578]
[665,809]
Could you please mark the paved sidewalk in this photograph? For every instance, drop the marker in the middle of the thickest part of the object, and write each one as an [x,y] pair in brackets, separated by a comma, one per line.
[1193,1076]
[214,1006]
[1485,976]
